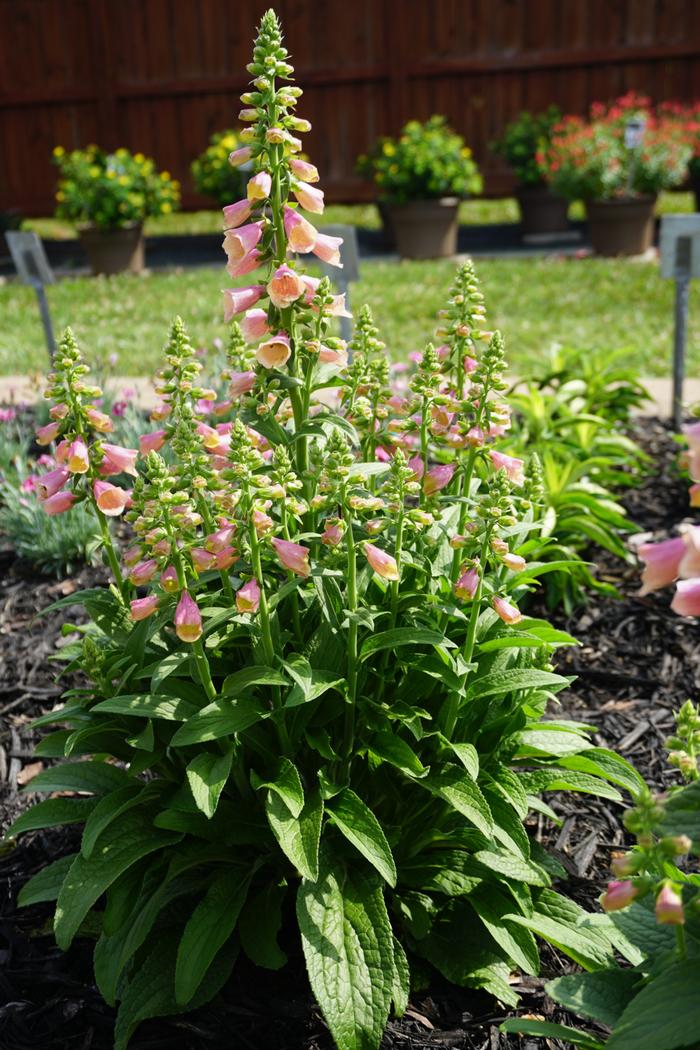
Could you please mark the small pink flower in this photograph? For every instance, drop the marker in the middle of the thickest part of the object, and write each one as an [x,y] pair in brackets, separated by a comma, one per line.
[225,558]
[328,249]
[202,559]
[285,287]
[382,563]
[514,562]
[618,895]
[259,186]
[437,478]
[511,464]
[248,597]
[240,156]
[142,608]
[301,235]
[241,383]
[417,466]
[338,308]
[254,325]
[216,541]
[310,197]
[241,242]
[689,566]
[119,460]
[467,585]
[99,421]
[669,907]
[110,499]
[53,482]
[475,437]
[161,411]
[508,612]
[143,572]
[78,458]
[311,284]
[59,502]
[275,352]
[188,619]
[169,581]
[686,601]
[246,265]
[661,563]
[326,356]
[29,484]
[292,556]
[303,170]
[694,494]
[236,300]
[262,522]
[236,214]
[332,535]
[151,442]
[58,411]
[131,556]
[46,434]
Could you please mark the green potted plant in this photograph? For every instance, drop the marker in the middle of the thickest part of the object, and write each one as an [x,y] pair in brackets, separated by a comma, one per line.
[541,210]
[420,177]
[688,119]
[617,160]
[108,196]
[213,175]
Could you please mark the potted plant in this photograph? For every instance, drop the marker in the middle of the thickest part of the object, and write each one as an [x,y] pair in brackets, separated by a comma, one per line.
[421,176]
[688,118]
[108,196]
[213,175]
[618,175]
[541,210]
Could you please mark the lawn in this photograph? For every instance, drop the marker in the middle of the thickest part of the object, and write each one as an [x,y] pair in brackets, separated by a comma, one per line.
[589,303]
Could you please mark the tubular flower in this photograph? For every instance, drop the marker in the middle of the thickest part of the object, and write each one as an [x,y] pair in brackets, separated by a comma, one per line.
[310,197]
[142,608]
[236,214]
[151,442]
[285,287]
[508,612]
[686,601]
[248,597]
[240,243]
[220,539]
[188,619]
[661,563]
[467,585]
[437,478]
[169,581]
[48,433]
[275,352]
[248,263]
[241,383]
[511,464]
[254,325]
[618,895]
[99,420]
[301,235]
[382,563]
[59,503]
[119,460]
[328,249]
[303,170]
[78,461]
[143,572]
[225,558]
[110,499]
[514,562]
[50,483]
[236,300]
[259,186]
[669,907]
[333,533]
[292,556]
[240,156]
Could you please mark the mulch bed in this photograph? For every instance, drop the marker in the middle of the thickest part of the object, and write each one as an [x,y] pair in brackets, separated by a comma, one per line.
[637,663]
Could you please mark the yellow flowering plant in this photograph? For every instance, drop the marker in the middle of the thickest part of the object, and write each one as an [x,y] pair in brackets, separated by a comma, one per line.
[213,175]
[111,190]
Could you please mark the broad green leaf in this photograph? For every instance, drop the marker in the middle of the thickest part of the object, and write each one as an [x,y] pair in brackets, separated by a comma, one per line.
[149,705]
[349,952]
[309,682]
[207,775]
[603,763]
[401,636]
[401,984]
[287,784]
[451,872]
[50,813]
[392,749]
[467,755]
[601,996]
[360,827]
[545,1029]
[640,930]
[508,865]
[554,742]
[259,924]
[108,809]
[454,785]
[500,683]
[558,921]
[554,778]
[61,714]
[258,674]
[682,812]
[97,778]
[221,718]
[209,927]
[665,1014]
[492,906]
[46,884]
[298,837]
[131,837]
[167,666]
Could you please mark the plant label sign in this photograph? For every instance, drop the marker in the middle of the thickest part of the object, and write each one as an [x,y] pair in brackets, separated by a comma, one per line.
[634,133]
[679,246]
[29,257]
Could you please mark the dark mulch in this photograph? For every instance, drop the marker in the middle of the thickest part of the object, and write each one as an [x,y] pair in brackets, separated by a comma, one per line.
[637,663]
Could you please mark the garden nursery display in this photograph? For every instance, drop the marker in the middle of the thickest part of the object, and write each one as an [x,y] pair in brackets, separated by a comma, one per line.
[330,767]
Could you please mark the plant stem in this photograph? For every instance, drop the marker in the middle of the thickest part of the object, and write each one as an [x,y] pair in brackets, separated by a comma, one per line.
[681,947]
[205,678]
[110,551]
[349,721]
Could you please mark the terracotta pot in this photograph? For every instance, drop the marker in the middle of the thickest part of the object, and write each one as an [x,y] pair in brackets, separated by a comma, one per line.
[541,210]
[425,229]
[621,225]
[114,251]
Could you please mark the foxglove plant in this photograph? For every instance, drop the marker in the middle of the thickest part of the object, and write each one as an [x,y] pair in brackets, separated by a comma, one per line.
[311,684]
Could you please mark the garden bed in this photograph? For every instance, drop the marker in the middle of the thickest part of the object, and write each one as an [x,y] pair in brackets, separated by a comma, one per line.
[637,663]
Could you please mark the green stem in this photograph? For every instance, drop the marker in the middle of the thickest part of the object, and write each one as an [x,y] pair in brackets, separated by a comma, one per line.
[263,611]
[681,947]
[202,663]
[349,721]
[110,551]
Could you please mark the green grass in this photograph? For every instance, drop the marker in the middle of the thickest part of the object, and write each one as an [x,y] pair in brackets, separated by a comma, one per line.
[585,303]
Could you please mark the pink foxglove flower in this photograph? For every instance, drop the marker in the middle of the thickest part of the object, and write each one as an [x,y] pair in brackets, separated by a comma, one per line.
[236,300]
[225,558]
[58,411]
[143,572]
[240,156]
[511,464]
[333,533]
[310,197]
[259,186]
[188,619]
[382,563]
[151,442]
[303,170]
[254,325]
[236,214]
[514,562]
[99,421]
[508,612]
[292,556]
[275,352]
[694,494]
[661,563]
[417,466]
[467,585]
[59,503]
[248,597]
[247,264]
[669,907]
[78,460]
[437,478]
[216,541]
[618,895]
[241,242]
[131,556]
[686,600]
[48,433]
[327,356]
[202,559]
[118,460]
[169,581]
[301,235]
[327,248]
[690,562]
[110,499]
[285,287]
[241,383]
[142,608]
[53,482]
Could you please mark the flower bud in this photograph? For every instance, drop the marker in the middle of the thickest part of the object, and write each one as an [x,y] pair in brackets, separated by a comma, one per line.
[618,895]
[669,906]
[188,619]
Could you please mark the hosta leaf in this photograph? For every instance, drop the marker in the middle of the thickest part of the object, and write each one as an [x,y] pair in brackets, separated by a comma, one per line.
[209,927]
[546,1029]
[97,778]
[401,636]
[46,884]
[131,837]
[50,813]
[287,784]
[207,775]
[259,924]
[298,837]
[149,705]
[601,996]
[221,718]
[348,946]
[455,786]
[360,827]
[499,683]
[665,1014]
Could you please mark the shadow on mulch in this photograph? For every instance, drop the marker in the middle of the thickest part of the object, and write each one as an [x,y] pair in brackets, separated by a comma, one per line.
[636,665]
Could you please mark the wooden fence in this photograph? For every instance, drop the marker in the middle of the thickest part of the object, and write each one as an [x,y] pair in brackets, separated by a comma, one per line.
[161,75]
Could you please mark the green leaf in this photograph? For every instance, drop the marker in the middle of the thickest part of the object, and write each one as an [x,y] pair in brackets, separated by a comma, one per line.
[167,666]
[221,718]
[360,827]
[207,775]
[298,837]
[401,983]
[131,837]
[108,809]
[603,763]
[392,749]
[558,921]
[681,812]
[348,946]
[257,674]
[98,778]
[149,705]
[259,924]
[640,930]
[50,813]
[454,785]
[46,884]
[310,682]
[524,1026]
[467,755]
[401,636]
[665,1014]
[287,784]
[601,996]
[451,872]
[555,742]
[209,927]
[508,865]
[499,683]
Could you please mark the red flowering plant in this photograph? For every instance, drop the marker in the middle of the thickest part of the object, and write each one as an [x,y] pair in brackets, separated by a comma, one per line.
[310,690]
[688,120]
[587,158]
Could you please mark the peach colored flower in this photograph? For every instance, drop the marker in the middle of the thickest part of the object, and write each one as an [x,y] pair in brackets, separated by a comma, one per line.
[78,459]
[59,502]
[236,300]
[301,235]
[275,352]
[142,608]
[382,563]
[310,197]
[254,325]
[151,442]
[236,214]
[328,249]
[661,563]
[292,556]
[110,499]
[618,895]
[188,619]
[119,460]
[259,186]
[508,612]
[285,287]
[248,597]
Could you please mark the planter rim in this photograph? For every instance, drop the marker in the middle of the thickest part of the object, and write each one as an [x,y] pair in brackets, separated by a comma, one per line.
[442,202]
[642,198]
[88,227]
